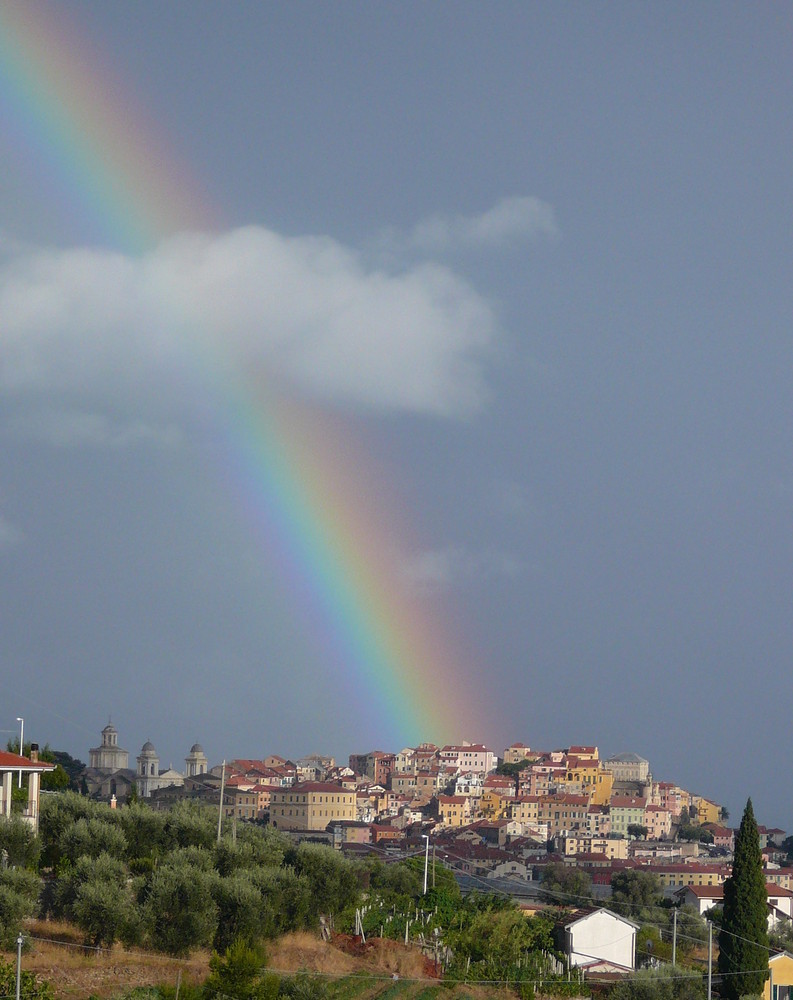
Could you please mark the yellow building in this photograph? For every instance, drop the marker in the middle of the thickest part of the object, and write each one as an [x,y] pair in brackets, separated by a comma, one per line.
[525,809]
[780,876]
[612,847]
[587,777]
[780,969]
[454,810]
[310,806]
[517,752]
[706,811]
[494,805]
[679,875]
[564,813]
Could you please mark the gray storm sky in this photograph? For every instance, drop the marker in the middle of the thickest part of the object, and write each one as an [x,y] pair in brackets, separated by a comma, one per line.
[538,258]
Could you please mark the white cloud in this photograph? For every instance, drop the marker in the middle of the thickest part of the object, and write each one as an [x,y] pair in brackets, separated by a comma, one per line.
[457,566]
[9,535]
[509,221]
[74,429]
[302,310]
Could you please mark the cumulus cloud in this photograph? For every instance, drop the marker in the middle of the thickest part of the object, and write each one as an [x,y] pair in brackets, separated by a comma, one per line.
[305,311]
[509,221]
[75,429]
[457,566]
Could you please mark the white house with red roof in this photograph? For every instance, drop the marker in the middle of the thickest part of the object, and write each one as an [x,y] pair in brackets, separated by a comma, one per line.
[705,897]
[468,757]
[12,765]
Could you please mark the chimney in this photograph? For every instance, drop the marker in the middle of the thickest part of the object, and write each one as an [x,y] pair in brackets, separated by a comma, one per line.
[34,753]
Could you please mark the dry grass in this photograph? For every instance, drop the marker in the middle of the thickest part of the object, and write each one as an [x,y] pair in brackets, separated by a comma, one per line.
[57,955]
[302,950]
[343,956]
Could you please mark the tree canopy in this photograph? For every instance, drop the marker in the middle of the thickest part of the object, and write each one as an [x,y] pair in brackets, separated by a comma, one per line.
[743,939]
[565,886]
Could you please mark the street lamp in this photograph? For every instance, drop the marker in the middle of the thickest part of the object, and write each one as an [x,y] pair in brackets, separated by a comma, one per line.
[21,744]
[425,836]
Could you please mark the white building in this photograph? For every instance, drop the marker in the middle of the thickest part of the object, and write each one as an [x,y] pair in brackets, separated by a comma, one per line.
[149,776]
[12,767]
[108,756]
[196,762]
[469,757]
[706,897]
[601,940]
[628,767]
[470,784]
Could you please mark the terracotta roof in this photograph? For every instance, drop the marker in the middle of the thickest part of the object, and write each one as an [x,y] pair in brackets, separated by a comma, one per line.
[247,764]
[772,889]
[13,762]
[237,781]
[567,800]
[315,786]
[703,891]
[583,762]
[695,868]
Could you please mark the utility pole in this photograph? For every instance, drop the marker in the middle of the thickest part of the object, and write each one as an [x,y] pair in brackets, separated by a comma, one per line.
[710,958]
[21,745]
[674,937]
[425,836]
[433,871]
[19,965]
[220,807]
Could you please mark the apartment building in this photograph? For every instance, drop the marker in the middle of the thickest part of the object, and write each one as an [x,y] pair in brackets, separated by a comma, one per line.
[468,757]
[311,806]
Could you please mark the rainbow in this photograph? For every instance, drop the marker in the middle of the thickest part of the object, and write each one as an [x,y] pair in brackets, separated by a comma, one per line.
[93,143]
[303,481]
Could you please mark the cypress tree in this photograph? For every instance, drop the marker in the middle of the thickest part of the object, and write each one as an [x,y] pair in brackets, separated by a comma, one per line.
[743,939]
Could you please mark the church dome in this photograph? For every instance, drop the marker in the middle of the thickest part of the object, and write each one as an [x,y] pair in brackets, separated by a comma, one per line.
[148,747]
[196,748]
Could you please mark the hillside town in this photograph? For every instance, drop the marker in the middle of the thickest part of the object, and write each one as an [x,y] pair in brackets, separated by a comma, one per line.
[497,820]
[597,853]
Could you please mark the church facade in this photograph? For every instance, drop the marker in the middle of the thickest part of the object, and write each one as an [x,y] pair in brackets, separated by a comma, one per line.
[108,773]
